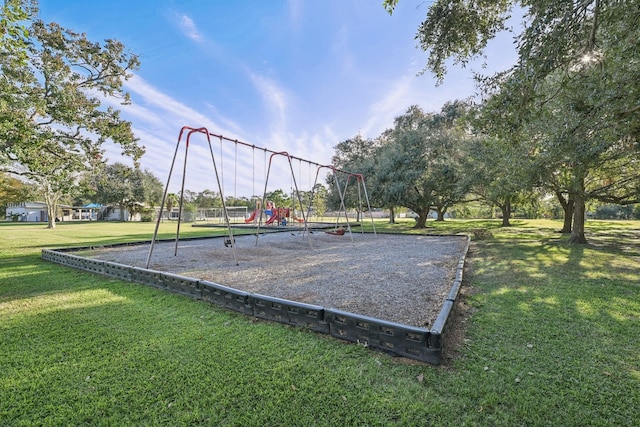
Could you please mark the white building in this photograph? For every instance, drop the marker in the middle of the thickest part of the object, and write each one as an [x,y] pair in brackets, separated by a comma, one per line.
[37,212]
[27,212]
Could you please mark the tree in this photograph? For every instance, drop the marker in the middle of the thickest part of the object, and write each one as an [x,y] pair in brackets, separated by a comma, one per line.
[279,198]
[127,187]
[52,123]
[420,166]
[319,202]
[12,190]
[447,151]
[580,56]
[147,191]
[172,200]
[14,41]
[352,156]
[499,174]
[579,152]
[402,165]
[208,199]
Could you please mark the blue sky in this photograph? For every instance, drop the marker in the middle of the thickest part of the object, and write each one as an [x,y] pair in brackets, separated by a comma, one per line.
[298,76]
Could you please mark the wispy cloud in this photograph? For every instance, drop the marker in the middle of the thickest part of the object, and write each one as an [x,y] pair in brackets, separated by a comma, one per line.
[189,28]
[165,107]
[393,103]
[276,103]
[157,119]
[272,94]
[295,13]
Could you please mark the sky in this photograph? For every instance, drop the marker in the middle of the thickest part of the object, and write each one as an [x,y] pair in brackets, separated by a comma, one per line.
[296,76]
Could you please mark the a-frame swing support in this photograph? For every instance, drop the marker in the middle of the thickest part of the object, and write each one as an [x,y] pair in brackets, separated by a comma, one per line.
[297,192]
[361,188]
[305,216]
[342,193]
[184,172]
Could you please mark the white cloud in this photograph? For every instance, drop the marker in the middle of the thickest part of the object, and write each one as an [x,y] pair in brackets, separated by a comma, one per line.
[170,112]
[393,103]
[189,28]
[159,119]
[295,13]
[274,97]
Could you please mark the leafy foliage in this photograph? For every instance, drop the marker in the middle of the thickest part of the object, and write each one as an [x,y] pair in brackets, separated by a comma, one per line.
[420,166]
[572,96]
[12,190]
[52,122]
[353,156]
[127,187]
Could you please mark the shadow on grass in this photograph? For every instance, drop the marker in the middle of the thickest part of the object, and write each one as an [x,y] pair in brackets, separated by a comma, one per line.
[557,316]
[25,277]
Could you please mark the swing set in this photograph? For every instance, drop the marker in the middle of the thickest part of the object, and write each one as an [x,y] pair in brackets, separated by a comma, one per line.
[279,216]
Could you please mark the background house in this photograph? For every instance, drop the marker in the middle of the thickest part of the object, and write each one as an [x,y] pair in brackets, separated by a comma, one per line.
[27,212]
[37,212]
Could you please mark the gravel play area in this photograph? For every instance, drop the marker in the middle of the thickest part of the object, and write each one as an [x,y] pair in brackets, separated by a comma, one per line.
[398,278]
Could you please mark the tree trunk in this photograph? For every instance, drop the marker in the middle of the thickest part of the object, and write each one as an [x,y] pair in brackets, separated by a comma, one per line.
[421,221]
[579,216]
[506,213]
[51,214]
[51,199]
[440,212]
[568,207]
[392,215]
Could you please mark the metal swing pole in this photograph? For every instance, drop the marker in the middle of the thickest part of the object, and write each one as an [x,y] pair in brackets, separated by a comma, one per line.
[232,240]
[342,205]
[295,184]
[184,173]
[164,197]
[266,182]
[366,196]
[313,189]
[264,195]
[359,195]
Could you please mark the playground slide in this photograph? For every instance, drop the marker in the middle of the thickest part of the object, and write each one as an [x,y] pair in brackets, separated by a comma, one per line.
[252,217]
[273,218]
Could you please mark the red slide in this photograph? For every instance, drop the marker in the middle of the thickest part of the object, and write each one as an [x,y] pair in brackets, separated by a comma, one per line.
[273,217]
[252,217]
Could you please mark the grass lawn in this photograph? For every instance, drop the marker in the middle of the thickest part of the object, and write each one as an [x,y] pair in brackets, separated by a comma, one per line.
[551,337]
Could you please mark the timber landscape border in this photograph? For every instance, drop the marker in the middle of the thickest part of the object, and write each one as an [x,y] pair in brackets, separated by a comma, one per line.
[417,343]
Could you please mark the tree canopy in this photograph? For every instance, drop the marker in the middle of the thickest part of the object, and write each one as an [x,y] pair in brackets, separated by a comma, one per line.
[416,165]
[53,124]
[572,97]
[127,187]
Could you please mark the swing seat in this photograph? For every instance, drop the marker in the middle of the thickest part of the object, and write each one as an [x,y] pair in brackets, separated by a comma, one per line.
[338,232]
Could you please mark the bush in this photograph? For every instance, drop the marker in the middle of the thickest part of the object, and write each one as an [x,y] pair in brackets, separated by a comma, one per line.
[147,215]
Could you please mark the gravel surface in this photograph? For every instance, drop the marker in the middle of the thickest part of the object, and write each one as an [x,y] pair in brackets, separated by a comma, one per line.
[398,278]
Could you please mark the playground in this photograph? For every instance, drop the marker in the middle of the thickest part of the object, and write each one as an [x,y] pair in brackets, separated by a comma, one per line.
[393,292]
[399,278]
[265,212]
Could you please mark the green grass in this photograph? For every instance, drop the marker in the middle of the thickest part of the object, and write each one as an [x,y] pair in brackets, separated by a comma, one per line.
[551,338]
